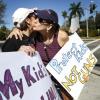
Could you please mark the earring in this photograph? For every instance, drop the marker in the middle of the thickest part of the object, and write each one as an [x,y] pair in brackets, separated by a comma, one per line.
[47,30]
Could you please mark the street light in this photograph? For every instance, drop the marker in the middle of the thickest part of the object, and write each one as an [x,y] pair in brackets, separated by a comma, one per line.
[92,7]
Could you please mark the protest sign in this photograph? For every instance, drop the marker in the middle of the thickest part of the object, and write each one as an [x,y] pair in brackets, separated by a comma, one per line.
[71,63]
[24,78]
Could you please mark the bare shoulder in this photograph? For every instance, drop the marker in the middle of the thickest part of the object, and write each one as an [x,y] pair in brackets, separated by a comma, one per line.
[62,37]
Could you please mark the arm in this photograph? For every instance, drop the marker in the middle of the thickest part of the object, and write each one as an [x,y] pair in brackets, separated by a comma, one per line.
[62,37]
[10,44]
[86,77]
[17,33]
[15,45]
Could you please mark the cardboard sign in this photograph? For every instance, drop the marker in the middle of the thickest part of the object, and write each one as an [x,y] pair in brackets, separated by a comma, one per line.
[70,64]
[24,78]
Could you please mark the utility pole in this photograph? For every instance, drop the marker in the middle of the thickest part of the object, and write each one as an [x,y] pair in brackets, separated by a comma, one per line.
[87,28]
[91,9]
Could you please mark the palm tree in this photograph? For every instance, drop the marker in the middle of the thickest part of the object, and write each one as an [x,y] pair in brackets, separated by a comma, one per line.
[2,11]
[76,10]
[65,16]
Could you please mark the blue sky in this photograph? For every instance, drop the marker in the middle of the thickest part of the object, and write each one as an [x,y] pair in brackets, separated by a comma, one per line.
[57,5]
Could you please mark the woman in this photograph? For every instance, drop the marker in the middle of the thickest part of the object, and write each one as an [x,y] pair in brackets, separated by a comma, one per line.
[52,39]
[23,19]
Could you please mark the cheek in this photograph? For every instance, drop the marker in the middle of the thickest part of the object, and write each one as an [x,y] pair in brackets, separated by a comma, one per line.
[32,23]
[38,27]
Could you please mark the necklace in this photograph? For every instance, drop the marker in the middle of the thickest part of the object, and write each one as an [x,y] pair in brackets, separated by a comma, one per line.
[46,52]
[49,41]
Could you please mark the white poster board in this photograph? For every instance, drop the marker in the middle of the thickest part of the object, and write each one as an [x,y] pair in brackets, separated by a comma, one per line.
[71,63]
[24,78]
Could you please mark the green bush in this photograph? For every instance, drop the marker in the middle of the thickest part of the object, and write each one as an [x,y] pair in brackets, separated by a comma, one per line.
[3,32]
[2,35]
[93,33]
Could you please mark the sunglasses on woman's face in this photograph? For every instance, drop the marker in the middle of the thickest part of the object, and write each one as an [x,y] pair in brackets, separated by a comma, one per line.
[44,21]
[41,20]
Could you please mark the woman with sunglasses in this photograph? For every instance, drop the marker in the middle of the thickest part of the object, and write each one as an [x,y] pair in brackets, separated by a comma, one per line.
[52,41]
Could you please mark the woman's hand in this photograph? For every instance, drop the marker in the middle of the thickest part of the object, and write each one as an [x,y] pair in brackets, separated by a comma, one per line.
[85,77]
[17,33]
[27,49]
